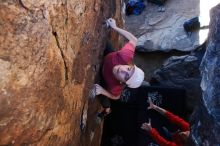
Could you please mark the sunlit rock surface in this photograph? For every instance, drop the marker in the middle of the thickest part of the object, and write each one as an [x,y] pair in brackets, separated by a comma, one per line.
[50,52]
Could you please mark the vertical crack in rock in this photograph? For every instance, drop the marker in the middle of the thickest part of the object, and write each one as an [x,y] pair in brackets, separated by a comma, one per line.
[66,22]
[67,14]
[84,116]
[62,54]
[22,5]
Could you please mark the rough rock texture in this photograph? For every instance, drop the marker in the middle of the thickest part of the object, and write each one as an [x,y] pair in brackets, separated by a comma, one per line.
[163,31]
[50,51]
[182,72]
[206,120]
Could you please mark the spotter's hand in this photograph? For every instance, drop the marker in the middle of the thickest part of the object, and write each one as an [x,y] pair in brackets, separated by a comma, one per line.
[151,104]
[146,126]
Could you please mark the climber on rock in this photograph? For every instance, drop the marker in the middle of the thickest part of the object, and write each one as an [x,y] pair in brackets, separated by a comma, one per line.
[118,70]
[179,138]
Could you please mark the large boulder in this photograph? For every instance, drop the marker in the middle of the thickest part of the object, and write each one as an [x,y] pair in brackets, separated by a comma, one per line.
[182,72]
[49,56]
[206,120]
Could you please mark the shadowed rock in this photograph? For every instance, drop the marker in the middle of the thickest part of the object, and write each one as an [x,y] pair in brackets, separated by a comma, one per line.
[182,72]
[206,119]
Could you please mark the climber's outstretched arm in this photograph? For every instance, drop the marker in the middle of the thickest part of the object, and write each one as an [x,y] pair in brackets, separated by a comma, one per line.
[132,39]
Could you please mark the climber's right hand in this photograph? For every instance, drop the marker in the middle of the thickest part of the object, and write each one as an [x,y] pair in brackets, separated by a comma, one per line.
[111,22]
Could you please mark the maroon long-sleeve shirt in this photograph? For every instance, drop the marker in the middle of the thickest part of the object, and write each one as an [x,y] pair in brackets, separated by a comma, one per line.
[122,57]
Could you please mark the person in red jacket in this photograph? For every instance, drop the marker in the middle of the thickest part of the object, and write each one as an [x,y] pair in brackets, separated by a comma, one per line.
[179,138]
[118,70]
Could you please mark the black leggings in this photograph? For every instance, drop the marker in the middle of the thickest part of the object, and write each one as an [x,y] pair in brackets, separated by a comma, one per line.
[105,101]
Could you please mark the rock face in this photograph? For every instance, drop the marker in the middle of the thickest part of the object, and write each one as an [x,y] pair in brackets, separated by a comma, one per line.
[181,72]
[49,55]
[163,31]
[206,120]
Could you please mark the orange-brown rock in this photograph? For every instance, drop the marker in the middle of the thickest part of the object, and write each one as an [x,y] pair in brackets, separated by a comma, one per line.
[50,51]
